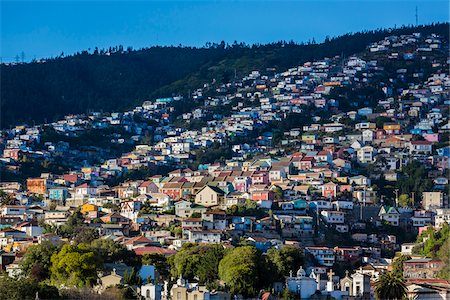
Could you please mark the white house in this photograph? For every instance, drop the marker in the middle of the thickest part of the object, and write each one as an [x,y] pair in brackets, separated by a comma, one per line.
[324,255]
[333,217]
[366,154]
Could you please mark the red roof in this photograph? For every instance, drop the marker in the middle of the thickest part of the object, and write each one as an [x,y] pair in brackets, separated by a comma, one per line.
[71,177]
[421,143]
[323,152]
[297,154]
[428,280]
[145,183]
[84,185]
[138,239]
[153,250]
[307,158]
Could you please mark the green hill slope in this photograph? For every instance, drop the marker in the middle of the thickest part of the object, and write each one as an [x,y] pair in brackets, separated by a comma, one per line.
[96,81]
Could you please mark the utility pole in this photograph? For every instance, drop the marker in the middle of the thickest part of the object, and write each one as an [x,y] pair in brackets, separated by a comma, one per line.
[396,197]
[317,214]
[417,16]
[361,206]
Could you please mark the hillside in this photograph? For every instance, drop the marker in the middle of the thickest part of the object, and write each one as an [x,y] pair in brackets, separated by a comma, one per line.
[97,81]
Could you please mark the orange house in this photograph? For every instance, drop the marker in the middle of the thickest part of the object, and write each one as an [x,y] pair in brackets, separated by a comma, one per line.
[88,207]
[37,185]
[262,195]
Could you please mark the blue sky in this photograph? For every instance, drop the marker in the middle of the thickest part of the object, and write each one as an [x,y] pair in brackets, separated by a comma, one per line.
[47,28]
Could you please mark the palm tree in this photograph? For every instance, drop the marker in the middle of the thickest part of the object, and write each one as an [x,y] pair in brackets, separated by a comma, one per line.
[390,286]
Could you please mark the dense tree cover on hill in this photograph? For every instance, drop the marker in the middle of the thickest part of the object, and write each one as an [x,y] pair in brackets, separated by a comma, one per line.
[436,244]
[25,289]
[116,79]
[244,269]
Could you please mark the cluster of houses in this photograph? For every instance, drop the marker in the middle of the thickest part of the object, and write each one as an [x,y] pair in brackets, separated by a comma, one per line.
[305,185]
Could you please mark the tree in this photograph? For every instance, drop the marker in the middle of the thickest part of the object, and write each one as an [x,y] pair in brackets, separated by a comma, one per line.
[285,259]
[36,261]
[397,264]
[196,215]
[250,204]
[159,261]
[132,277]
[390,286]
[278,193]
[287,295]
[25,288]
[75,265]
[405,201]
[415,180]
[436,244]
[85,235]
[113,252]
[73,223]
[239,270]
[6,198]
[198,261]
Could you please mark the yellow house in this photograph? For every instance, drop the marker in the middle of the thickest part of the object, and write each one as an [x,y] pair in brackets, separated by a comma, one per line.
[342,179]
[210,196]
[86,170]
[392,128]
[87,207]
[309,137]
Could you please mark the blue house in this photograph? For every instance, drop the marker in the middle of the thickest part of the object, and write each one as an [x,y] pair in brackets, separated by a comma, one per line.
[58,194]
[365,111]
[445,151]
[147,272]
[260,243]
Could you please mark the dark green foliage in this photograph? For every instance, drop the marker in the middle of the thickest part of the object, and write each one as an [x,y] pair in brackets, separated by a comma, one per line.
[82,82]
[215,153]
[37,261]
[132,278]
[25,288]
[415,179]
[159,261]
[75,265]
[113,252]
[436,244]
[239,270]
[85,235]
[201,261]
[6,198]
[249,209]
[72,225]
[288,258]
[390,286]
[196,215]
[397,264]
[142,172]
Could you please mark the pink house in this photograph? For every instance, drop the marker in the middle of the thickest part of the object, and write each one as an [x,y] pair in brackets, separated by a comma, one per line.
[346,188]
[260,178]
[329,190]
[306,163]
[262,195]
[241,183]
[431,137]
